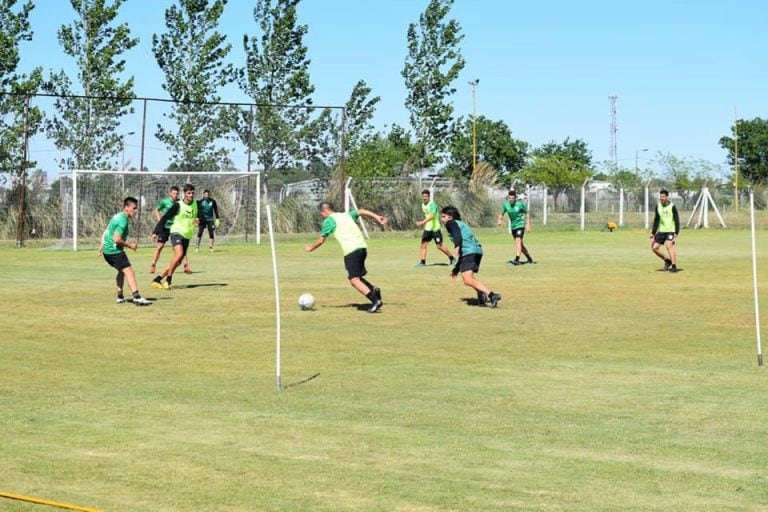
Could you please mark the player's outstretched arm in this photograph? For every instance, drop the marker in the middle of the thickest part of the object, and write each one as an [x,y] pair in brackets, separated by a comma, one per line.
[375,216]
[314,245]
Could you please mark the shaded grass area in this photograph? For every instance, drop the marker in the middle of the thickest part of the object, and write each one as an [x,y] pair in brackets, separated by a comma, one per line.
[598,384]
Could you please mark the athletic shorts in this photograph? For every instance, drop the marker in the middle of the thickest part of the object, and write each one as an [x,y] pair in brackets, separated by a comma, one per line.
[163,236]
[354,262]
[177,239]
[662,238]
[518,232]
[428,236]
[210,224]
[470,262]
[118,261]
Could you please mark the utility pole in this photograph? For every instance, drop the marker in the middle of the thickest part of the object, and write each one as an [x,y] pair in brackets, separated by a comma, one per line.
[474,83]
[735,159]
[614,155]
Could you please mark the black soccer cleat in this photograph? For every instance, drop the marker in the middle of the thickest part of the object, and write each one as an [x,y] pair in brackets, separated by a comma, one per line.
[482,298]
[376,306]
[494,299]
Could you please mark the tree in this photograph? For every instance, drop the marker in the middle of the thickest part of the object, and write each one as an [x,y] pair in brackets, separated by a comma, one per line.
[559,166]
[495,146]
[86,125]
[686,176]
[433,63]
[191,55]
[18,121]
[276,77]
[359,111]
[752,149]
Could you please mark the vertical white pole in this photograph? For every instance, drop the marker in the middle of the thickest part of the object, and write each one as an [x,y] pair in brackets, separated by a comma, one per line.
[647,211]
[582,209]
[621,206]
[347,193]
[359,219]
[277,299]
[754,278]
[74,210]
[258,208]
[705,205]
[546,203]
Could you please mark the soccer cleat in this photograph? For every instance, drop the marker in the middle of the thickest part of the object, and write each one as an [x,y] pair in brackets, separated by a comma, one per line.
[152,268]
[494,299]
[166,285]
[377,293]
[482,298]
[187,270]
[673,268]
[667,263]
[120,300]
[141,301]
[530,261]
[210,249]
[157,284]
[376,305]
[197,249]
[420,265]
[451,260]
[514,262]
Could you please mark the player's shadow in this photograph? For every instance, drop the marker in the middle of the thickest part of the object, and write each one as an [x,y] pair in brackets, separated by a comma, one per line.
[303,381]
[470,301]
[198,285]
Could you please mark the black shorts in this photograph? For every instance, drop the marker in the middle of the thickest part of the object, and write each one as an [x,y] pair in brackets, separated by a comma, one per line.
[662,238]
[354,262]
[163,236]
[118,261]
[470,262]
[177,239]
[428,236]
[518,233]
[210,224]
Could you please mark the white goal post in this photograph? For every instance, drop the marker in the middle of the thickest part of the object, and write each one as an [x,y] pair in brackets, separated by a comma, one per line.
[90,197]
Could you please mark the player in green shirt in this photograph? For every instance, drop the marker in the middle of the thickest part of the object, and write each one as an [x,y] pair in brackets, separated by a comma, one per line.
[519,222]
[211,214]
[431,224]
[469,253]
[112,248]
[666,227]
[344,227]
[185,216]
[160,238]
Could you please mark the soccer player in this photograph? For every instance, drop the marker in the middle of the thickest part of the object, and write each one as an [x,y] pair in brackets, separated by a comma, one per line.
[432,231]
[211,214]
[160,238]
[348,234]
[184,215]
[520,221]
[112,248]
[666,227]
[469,253]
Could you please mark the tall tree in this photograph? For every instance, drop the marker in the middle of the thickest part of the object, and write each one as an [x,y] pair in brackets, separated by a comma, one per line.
[86,125]
[17,119]
[276,77]
[495,146]
[359,111]
[432,65]
[752,148]
[192,55]
[560,166]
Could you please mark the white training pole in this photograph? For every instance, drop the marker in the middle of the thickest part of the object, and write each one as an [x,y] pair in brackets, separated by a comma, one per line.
[359,219]
[647,211]
[277,298]
[582,208]
[621,206]
[544,215]
[74,210]
[754,278]
[258,208]
[347,192]
[432,189]
[693,212]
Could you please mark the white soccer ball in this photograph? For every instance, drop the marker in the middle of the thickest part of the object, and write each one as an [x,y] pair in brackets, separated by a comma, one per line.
[306,301]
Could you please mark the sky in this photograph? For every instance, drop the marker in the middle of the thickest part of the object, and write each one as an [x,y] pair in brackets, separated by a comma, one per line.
[682,71]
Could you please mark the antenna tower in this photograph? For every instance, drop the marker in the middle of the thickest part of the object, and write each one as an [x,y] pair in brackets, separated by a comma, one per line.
[614,155]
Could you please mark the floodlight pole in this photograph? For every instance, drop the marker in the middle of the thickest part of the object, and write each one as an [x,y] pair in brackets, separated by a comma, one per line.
[474,83]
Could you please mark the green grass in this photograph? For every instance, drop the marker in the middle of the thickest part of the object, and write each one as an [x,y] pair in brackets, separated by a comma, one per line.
[599,384]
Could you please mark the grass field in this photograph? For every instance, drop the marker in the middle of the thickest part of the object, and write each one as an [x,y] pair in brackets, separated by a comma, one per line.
[599,384]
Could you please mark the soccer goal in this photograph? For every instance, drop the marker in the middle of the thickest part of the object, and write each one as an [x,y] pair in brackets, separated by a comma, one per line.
[90,198]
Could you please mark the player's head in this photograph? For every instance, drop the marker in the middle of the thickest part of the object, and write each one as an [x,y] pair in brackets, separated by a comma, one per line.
[174,192]
[512,195]
[664,196]
[425,195]
[449,213]
[325,209]
[130,206]
[206,193]
[189,193]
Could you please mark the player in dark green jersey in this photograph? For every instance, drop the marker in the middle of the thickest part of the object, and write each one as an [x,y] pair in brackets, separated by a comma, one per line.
[112,248]
[469,253]
[519,223]
[666,227]
[184,215]
[212,221]
[431,224]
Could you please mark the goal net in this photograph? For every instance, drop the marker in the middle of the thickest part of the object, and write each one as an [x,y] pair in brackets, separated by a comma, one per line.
[90,198]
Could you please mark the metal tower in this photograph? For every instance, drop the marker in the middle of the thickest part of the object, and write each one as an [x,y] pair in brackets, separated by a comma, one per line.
[613,152]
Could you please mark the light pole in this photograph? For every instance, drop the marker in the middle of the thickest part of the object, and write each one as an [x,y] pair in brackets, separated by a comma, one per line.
[637,157]
[122,158]
[474,83]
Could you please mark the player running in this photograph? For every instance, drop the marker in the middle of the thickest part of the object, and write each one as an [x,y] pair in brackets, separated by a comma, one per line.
[520,221]
[160,238]
[432,231]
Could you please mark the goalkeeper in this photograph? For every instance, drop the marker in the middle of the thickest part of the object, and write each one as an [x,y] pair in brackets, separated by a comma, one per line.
[212,220]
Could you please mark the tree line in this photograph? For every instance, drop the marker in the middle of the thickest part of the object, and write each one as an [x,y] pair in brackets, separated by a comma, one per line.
[287,134]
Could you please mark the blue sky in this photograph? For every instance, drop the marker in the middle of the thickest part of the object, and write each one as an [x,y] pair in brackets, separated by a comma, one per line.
[680,69]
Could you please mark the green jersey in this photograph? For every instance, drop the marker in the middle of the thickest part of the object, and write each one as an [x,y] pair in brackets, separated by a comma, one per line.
[210,208]
[344,227]
[184,221]
[516,212]
[462,237]
[117,224]
[163,206]
[430,208]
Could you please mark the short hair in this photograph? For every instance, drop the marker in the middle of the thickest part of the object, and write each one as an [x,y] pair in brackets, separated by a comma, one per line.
[452,212]
[189,187]
[512,193]
[130,200]
[325,206]
[174,187]
[425,191]
[664,191]
[206,191]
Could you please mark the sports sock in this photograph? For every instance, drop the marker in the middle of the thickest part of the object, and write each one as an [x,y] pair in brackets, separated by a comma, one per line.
[423,262]
[120,295]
